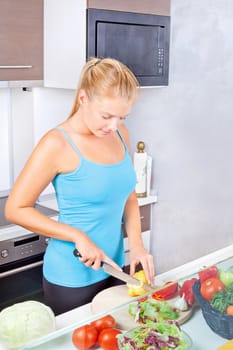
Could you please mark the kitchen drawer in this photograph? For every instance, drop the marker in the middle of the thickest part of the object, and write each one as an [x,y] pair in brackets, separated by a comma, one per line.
[145,215]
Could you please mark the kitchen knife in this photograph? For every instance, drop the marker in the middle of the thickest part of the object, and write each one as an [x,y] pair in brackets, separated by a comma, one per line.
[120,274]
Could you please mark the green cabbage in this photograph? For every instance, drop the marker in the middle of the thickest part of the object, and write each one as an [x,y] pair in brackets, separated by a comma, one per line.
[24,322]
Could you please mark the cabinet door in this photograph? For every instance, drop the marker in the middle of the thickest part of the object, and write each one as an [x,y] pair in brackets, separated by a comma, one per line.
[64,42]
[21,40]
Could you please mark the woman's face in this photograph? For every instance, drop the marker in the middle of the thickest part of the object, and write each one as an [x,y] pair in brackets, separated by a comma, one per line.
[102,116]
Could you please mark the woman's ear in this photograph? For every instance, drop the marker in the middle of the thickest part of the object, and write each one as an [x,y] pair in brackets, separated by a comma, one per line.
[82,97]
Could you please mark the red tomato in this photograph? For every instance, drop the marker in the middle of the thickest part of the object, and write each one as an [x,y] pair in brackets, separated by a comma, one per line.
[84,337]
[104,322]
[211,286]
[107,338]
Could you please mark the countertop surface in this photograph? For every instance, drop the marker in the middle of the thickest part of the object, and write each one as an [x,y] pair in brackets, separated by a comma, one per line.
[52,203]
[203,337]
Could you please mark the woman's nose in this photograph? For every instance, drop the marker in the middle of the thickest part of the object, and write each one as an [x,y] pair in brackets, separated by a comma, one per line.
[113,125]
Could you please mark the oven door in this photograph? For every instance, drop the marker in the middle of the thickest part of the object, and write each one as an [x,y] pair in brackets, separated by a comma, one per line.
[21,281]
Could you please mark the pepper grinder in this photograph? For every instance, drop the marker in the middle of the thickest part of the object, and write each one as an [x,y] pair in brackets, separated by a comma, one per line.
[140,166]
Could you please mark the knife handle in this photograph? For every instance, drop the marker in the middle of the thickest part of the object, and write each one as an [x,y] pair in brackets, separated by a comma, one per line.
[77,253]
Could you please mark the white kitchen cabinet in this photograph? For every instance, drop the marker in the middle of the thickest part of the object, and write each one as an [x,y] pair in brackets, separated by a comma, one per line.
[64,42]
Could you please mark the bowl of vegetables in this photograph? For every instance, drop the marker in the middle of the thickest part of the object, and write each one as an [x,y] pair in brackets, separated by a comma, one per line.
[216,301]
[156,335]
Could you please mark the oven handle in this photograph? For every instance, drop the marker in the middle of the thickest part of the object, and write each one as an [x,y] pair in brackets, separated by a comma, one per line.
[20,269]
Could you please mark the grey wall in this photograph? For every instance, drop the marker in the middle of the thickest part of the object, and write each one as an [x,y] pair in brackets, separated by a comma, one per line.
[188,130]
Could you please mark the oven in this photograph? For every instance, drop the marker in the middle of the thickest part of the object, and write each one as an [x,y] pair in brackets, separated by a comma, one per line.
[21,259]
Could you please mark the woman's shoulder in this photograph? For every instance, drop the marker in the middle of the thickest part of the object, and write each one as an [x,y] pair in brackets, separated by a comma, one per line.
[52,140]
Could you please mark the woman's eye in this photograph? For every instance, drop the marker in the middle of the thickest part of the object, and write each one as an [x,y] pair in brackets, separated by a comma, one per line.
[110,117]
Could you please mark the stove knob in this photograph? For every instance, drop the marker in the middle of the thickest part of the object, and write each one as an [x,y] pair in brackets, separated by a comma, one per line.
[4,253]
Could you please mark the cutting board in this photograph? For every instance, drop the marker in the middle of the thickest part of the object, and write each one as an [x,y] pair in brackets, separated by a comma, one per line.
[115,296]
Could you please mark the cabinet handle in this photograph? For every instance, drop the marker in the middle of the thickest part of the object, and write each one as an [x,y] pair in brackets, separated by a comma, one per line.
[142,217]
[14,67]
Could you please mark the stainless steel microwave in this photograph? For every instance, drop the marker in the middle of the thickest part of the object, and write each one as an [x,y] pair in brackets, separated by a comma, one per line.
[141,41]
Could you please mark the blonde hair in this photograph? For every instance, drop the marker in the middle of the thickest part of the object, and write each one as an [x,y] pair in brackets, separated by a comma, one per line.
[106,77]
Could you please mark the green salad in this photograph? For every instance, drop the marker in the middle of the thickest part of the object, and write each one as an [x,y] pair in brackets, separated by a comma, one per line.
[154,335]
[152,310]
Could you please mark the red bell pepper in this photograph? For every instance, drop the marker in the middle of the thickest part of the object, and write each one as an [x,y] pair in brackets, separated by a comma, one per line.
[209,272]
[187,291]
[166,293]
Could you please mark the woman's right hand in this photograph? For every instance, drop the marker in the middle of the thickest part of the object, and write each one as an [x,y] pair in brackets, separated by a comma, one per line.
[92,256]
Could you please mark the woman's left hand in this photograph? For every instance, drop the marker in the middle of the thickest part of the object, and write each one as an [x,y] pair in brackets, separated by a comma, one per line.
[141,255]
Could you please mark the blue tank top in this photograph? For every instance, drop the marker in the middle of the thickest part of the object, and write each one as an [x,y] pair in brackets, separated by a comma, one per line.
[91,198]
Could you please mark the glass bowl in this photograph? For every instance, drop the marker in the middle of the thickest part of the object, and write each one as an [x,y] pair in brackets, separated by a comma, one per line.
[186,340]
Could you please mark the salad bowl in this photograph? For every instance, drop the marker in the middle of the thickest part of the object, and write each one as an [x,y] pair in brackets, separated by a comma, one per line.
[159,335]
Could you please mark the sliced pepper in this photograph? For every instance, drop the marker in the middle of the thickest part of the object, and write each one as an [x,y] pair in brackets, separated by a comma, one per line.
[207,273]
[166,293]
[187,291]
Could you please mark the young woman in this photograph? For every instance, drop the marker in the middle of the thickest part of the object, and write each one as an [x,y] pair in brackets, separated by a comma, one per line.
[87,159]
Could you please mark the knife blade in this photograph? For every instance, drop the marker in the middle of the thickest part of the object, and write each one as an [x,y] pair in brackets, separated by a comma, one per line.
[121,275]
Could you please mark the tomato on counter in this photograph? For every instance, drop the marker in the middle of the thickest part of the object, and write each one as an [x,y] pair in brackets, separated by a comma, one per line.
[107,338]
[104,322]
[84,337]
[211,286]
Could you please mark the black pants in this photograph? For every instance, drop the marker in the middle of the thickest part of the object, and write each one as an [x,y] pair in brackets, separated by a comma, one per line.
[62,299]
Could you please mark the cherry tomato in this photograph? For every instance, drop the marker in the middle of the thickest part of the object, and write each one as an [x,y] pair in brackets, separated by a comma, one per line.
[211,286]
[107,338]
[84,337]
[104,322]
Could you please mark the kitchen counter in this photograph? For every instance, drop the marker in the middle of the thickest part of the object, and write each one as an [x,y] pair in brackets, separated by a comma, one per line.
[202,336]
[52,202]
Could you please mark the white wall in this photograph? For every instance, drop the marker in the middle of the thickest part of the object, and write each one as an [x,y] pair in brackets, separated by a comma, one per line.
[51,107]
[5,145]
[22,127]
[188,128]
